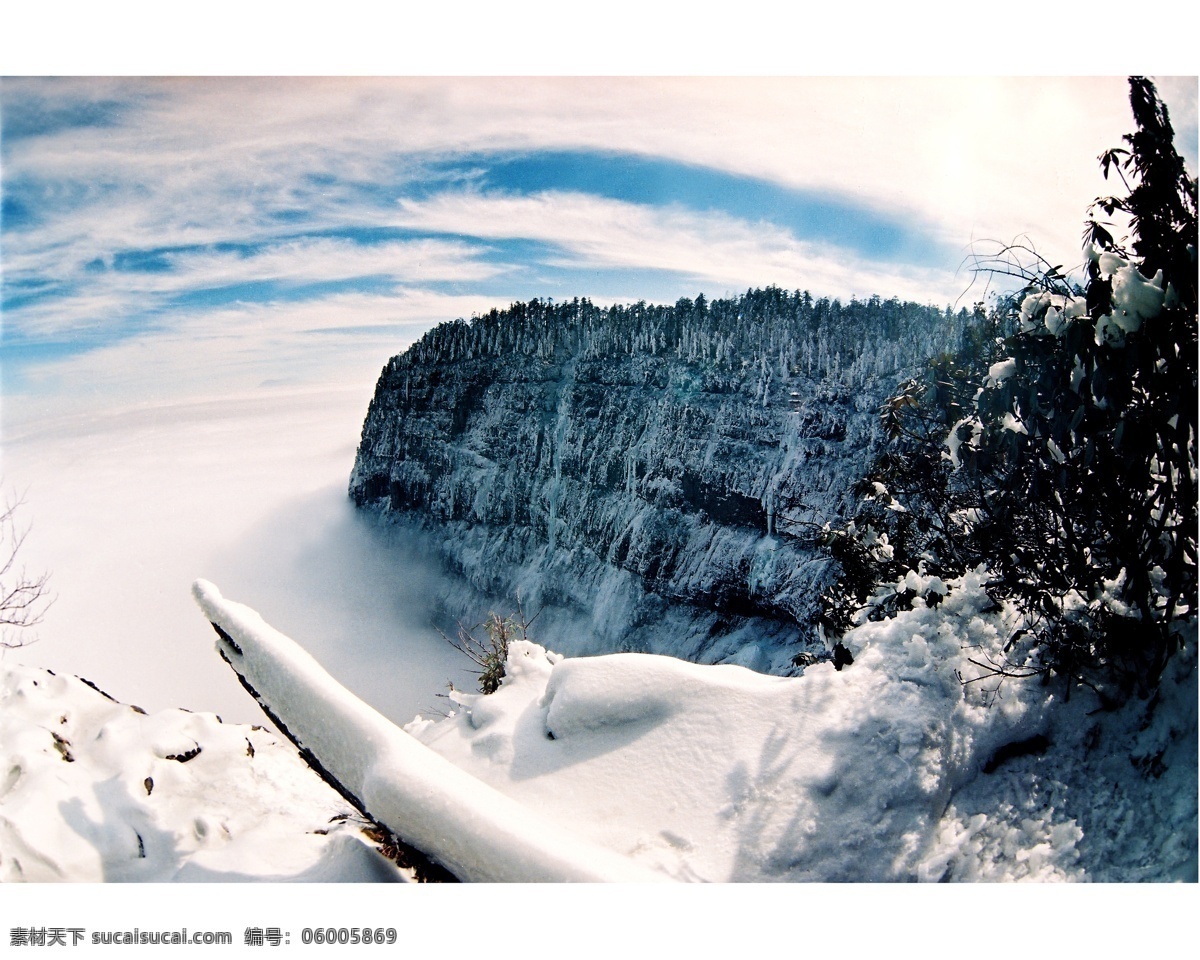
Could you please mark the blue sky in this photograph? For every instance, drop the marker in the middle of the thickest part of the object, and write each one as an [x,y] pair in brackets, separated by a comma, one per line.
[165,239]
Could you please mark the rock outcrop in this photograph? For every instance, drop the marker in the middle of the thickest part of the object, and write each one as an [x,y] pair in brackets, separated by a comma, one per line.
[640,465]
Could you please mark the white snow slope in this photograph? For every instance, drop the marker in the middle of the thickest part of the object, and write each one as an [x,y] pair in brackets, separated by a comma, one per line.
[620,767]
[717,773]
[91,789]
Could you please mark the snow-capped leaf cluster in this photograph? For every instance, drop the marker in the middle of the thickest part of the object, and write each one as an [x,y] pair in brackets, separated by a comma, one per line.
[1134,298]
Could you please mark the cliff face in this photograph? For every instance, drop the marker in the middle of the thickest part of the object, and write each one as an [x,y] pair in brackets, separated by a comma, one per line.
[644,465]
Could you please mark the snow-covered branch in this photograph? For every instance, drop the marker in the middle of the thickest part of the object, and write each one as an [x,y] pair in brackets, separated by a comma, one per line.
[468,827]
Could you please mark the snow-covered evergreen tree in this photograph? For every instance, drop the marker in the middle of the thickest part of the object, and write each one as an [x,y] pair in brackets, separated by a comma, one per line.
[1058,447]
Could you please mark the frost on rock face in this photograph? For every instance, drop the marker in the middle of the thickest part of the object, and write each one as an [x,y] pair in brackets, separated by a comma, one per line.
[642,469]
[95,790]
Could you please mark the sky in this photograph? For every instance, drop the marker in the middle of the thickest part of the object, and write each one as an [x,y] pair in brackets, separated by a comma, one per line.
[182,238]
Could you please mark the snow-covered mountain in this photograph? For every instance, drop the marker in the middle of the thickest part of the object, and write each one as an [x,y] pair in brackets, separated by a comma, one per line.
[655,473]
[641,470]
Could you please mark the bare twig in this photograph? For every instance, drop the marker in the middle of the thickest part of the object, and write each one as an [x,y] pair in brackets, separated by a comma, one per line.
[24,598]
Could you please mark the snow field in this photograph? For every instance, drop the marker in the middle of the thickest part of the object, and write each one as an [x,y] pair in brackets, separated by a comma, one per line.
[94,790]
[620,767]
[717,773]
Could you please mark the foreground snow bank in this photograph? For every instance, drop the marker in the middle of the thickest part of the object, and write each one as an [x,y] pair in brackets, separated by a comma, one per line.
[475,832]
[633,765]
[719,773]
[872,773]
[617,767]
[91,789]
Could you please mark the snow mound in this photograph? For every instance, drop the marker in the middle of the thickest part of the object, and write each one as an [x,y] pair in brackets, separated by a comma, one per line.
[876,772]
[92,790]
[719,773]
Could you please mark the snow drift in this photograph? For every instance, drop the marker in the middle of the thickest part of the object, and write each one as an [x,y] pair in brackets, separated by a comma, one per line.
[632,766]
[618,767]
[92,789]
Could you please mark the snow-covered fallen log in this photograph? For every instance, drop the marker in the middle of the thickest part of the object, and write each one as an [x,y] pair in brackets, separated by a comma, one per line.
[474,831]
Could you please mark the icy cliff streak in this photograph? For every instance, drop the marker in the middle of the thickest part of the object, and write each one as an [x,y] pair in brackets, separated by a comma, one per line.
[630,465]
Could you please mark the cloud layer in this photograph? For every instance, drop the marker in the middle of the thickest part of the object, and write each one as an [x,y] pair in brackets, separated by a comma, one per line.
[151,226]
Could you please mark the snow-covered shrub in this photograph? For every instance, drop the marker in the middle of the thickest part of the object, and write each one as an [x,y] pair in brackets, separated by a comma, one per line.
[491,654]
[1058,444]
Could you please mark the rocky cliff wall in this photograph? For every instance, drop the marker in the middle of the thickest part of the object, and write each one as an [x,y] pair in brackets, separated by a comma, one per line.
[644,467]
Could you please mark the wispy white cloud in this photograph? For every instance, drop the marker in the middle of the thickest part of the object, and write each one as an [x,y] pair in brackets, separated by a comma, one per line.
[341,339]
[78,314]
[974,156]
[317,260]
[105,296]
[713,250]
[237,181]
